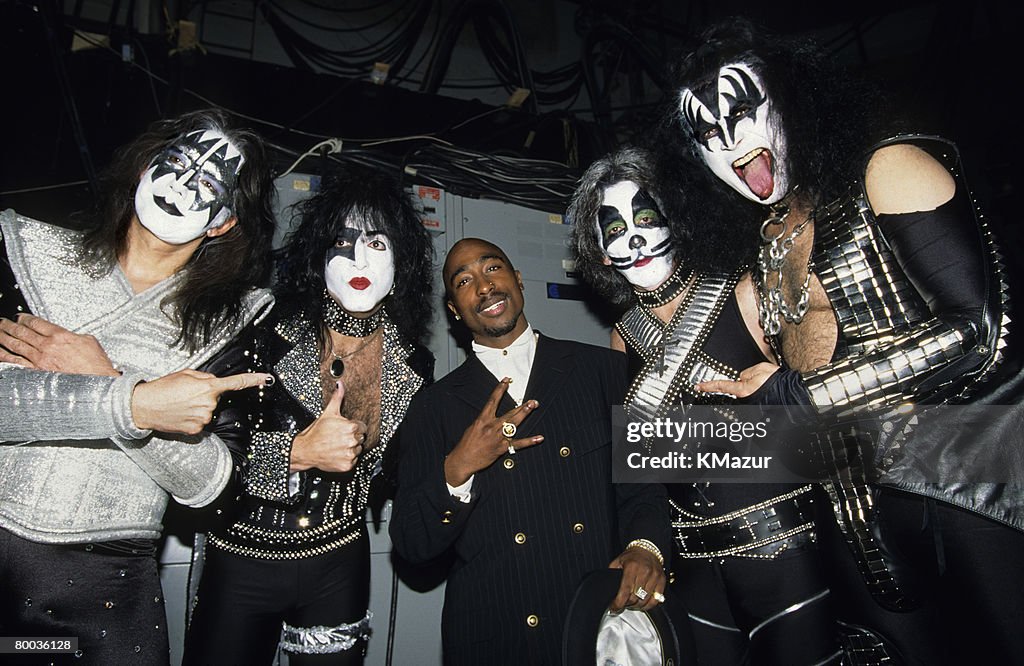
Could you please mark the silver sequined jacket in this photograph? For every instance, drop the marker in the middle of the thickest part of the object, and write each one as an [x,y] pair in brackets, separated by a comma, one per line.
[73,466]
[284,515]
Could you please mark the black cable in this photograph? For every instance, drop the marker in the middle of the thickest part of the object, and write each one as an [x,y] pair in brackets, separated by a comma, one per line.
[396,80]
[345,85]
[346,10]
[392,617]
[277,6]
[48,13]
[149,68]
[394,48]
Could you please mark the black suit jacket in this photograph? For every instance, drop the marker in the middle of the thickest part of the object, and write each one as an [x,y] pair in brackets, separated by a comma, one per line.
[539,520]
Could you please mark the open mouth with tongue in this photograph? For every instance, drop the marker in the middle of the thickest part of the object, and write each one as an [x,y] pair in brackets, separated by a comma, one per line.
[756,169]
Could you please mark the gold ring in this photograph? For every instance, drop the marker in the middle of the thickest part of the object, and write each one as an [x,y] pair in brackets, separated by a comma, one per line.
[508,429]
[640,593]
[659,597]
[511,449]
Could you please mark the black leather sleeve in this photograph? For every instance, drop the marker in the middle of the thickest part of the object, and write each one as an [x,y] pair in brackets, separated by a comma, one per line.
[232,421]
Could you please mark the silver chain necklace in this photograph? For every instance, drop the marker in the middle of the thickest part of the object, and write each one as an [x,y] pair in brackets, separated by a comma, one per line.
[771,258]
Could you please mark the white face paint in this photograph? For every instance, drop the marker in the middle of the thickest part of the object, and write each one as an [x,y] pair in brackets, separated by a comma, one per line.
[188,188]
[359,268]
[635,236]
[739,134]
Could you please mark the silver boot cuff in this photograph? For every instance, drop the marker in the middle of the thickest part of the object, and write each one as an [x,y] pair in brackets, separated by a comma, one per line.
[324,640]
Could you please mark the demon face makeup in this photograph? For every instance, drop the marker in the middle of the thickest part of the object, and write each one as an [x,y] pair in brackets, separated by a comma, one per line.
[634,235]
[739,134]
[188,188]
[359,268]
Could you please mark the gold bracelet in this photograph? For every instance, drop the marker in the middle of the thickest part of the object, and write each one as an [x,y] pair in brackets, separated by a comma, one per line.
[649,546]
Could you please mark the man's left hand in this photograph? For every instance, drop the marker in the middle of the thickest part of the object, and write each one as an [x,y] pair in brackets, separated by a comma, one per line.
[641,571]
[33,342]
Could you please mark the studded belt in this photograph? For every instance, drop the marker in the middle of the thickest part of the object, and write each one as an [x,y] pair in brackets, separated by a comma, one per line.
[764,530]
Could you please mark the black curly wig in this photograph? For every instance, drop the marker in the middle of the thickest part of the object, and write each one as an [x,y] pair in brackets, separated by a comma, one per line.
[828,115]
[378,197]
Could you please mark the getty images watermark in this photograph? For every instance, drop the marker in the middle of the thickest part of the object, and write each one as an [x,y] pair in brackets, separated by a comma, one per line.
[757,444]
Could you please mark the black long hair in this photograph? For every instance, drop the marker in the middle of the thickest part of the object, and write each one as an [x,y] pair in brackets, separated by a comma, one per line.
[828,114]
[378,197]
[222,269]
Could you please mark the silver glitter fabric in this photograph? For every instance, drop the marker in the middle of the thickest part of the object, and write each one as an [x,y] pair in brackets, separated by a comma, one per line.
[324,640]
[328,511]
[88,474]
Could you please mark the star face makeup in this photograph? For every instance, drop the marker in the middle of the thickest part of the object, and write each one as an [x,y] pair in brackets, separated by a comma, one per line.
[359,268]
[635,236]
[739,134]
[188,188]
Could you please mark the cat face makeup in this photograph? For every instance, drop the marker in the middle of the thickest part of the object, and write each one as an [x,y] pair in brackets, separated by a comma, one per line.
[188,188]
[359,268]
[739,134]
[635,236]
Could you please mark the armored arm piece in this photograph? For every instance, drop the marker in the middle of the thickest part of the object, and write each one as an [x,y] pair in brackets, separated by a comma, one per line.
[922,301]
[917,365]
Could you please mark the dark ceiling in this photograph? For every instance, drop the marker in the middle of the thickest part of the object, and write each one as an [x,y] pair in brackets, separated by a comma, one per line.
[66,111]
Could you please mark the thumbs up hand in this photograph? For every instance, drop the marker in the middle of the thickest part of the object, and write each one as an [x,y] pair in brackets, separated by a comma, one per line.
[332,443]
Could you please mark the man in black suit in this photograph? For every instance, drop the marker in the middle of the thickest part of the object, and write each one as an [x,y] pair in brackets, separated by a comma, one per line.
[520,487]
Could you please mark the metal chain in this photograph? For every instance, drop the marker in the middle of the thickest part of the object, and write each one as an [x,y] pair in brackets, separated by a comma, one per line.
[771,259]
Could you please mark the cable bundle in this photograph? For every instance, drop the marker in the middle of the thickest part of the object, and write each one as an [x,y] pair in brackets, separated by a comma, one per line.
[537,184]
